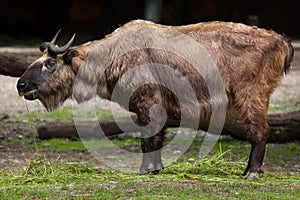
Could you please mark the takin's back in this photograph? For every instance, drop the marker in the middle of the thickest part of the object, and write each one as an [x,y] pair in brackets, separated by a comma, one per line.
[239,51]
[246,56]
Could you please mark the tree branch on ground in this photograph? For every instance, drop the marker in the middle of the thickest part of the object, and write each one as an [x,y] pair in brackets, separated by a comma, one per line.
[15,64]
[284,127]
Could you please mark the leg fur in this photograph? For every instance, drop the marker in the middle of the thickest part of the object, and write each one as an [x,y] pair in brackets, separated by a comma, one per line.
[253,108]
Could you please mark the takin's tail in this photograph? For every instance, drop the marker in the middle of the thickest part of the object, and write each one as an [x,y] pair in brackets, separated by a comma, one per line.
[289,55]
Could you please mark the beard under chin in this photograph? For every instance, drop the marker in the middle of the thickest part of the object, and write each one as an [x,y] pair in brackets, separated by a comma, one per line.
[52,102]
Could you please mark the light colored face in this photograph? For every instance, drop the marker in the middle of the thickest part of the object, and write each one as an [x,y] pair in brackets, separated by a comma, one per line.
[39,72]
[49,78]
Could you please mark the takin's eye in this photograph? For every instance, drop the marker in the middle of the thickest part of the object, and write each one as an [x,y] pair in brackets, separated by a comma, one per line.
[50,64]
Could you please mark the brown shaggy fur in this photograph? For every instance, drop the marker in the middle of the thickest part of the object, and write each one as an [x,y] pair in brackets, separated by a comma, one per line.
[250,60]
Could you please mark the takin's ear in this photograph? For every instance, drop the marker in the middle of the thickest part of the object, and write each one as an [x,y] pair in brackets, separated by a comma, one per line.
[69,55]
[71,58]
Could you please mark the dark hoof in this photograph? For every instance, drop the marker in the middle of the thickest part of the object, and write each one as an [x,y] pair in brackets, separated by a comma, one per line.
[141,173]
[151,169]
[251,176]
[155,172]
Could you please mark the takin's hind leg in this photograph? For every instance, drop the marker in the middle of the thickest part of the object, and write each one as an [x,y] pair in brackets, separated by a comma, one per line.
[253,108]
[257,136]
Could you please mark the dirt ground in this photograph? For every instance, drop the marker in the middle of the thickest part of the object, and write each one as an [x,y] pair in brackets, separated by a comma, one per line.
[15,157]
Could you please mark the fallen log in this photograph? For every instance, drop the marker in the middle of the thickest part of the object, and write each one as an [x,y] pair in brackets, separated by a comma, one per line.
[15,64]
[284,127]
[91,129]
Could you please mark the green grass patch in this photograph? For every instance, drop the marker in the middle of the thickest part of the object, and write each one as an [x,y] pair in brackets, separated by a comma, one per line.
[277,155]
[65,113]
[217,176]
[61,145]
[284,106]
[66,144]
[211,178]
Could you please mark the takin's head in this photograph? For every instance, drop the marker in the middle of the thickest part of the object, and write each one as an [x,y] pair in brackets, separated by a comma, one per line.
[50,77]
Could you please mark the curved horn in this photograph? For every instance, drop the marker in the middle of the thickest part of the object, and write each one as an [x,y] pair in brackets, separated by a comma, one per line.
[45,45]
[53,49]
[55,37]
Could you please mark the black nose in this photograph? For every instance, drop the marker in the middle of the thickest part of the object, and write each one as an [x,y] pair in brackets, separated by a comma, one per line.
[21,86]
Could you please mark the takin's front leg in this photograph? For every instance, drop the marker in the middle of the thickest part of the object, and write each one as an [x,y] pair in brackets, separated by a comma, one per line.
[153,121]
[151,148]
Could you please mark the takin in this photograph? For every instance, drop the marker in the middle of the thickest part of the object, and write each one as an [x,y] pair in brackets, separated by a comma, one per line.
[250,61]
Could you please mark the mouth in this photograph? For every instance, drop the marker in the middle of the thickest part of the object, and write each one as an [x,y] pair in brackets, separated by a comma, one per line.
[30,95]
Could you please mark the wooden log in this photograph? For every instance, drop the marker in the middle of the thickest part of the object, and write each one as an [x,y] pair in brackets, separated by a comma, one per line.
[15,64]
[68,129]
[284,127]
[91,129]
